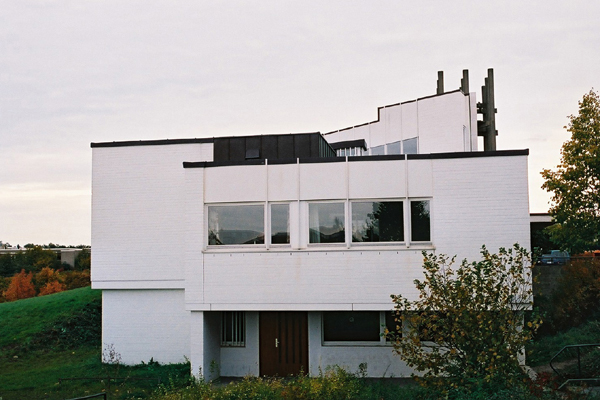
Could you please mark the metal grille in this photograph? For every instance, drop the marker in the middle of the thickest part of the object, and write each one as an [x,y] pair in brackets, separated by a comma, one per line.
[233,328]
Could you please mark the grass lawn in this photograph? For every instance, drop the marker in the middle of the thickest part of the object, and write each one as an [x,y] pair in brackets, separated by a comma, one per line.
[57,336]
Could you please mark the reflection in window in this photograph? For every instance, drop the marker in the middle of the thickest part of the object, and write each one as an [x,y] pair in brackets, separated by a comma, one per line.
[240,224]
[420,226]
[280,224]
[394,148]
[377,221]
[351,326]
[393,323]
[378,150]
[326,223]
[410,146]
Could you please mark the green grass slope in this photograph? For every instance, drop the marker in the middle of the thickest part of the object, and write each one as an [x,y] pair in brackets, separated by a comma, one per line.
[57,336]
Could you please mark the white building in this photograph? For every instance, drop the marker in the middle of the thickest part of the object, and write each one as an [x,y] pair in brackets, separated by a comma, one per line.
[261,255]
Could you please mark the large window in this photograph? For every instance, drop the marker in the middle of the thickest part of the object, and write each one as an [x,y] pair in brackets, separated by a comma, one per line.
[358,326]
[420,221]
[377,221]
[280,224]
[233,329]
[326,222]
[236,224]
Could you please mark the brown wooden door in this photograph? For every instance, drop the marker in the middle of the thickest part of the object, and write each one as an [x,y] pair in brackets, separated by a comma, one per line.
[283,343]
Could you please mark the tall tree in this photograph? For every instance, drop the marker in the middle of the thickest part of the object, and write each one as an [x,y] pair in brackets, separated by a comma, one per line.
[575,184]
[20,287]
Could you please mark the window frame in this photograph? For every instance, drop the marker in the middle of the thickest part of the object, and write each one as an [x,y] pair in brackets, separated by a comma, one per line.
[380,243]
[231,343]
[410,221]
[229,246]
[343,343]
[270,225]
[344,203]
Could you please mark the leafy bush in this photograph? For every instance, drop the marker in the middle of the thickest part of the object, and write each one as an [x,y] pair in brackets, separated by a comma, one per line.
[467,325]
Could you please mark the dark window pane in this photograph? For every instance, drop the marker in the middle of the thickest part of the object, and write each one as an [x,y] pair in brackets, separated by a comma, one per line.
[380,221]
[280,223]
[394,148]
[351,326]
[378,150]
[393,323]
[420,221]
[410,146]
[236,225]
[326,223]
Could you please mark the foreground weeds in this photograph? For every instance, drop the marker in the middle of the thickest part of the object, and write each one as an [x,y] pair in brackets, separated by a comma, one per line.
[338,384]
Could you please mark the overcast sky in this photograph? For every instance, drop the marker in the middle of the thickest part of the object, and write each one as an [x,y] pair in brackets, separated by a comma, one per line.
[75,72]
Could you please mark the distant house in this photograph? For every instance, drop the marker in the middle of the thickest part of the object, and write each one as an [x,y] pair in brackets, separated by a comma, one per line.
[265,255]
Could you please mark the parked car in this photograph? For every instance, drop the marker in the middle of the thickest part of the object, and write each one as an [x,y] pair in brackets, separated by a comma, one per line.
[555,257]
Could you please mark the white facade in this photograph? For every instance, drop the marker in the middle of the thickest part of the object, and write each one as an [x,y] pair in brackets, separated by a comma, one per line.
[167,291]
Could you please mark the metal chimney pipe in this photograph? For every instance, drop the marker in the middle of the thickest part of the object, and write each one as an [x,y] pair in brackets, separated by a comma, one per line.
[440,82]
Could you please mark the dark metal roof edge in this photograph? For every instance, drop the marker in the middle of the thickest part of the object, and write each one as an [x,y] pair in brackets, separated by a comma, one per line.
[469,154]
[348,144]
[157,142]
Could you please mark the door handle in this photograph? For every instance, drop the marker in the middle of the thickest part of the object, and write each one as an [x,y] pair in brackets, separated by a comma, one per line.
[276,342]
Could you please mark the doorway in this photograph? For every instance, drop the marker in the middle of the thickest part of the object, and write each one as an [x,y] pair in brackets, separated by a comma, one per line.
[283,343]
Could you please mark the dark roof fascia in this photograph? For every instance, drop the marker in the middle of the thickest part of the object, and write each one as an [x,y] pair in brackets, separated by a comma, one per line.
[162,142]
[391,157]
[349,144]
[469,154]
[159,142]
[393,105]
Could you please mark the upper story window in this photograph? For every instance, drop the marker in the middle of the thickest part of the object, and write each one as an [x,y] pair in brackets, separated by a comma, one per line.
[236,224]
[420,221]
[350,151]
[326,222]
[377,221]
[410,146]
[280,224]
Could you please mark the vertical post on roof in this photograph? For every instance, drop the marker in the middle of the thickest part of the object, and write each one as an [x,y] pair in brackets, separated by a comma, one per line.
[487,127]
[440,82]
[464,82]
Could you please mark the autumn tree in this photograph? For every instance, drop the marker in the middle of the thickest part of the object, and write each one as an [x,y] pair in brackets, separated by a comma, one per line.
[20,287]
[467,325]
[575,184]
[52,287]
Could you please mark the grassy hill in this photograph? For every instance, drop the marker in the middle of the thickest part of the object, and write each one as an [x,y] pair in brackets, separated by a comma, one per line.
[43,339]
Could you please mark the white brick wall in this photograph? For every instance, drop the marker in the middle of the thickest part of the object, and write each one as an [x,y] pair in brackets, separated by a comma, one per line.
[145,324]
[437,121]
[474,201]
[138,214]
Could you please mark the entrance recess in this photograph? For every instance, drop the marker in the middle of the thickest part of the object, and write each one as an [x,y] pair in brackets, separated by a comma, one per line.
[283,343]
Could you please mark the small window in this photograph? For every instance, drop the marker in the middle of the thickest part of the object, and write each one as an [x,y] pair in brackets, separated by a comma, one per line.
[236,224]
[420,221]
[233,329]
[410,146]
[326,223]
[394,148]
[378,150]
[280,224]
[351,326]
[377,221]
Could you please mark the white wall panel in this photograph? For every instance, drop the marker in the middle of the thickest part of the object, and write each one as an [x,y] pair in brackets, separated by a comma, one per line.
[410,122]
[138,212]
[243,361]
[323,181]
[420,178]
[145,324]
[228,184]
[377,179]
[441,121]
[283,182]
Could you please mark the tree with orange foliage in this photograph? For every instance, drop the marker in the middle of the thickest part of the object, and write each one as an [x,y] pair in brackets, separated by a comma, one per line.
[20,287]
[52,287]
